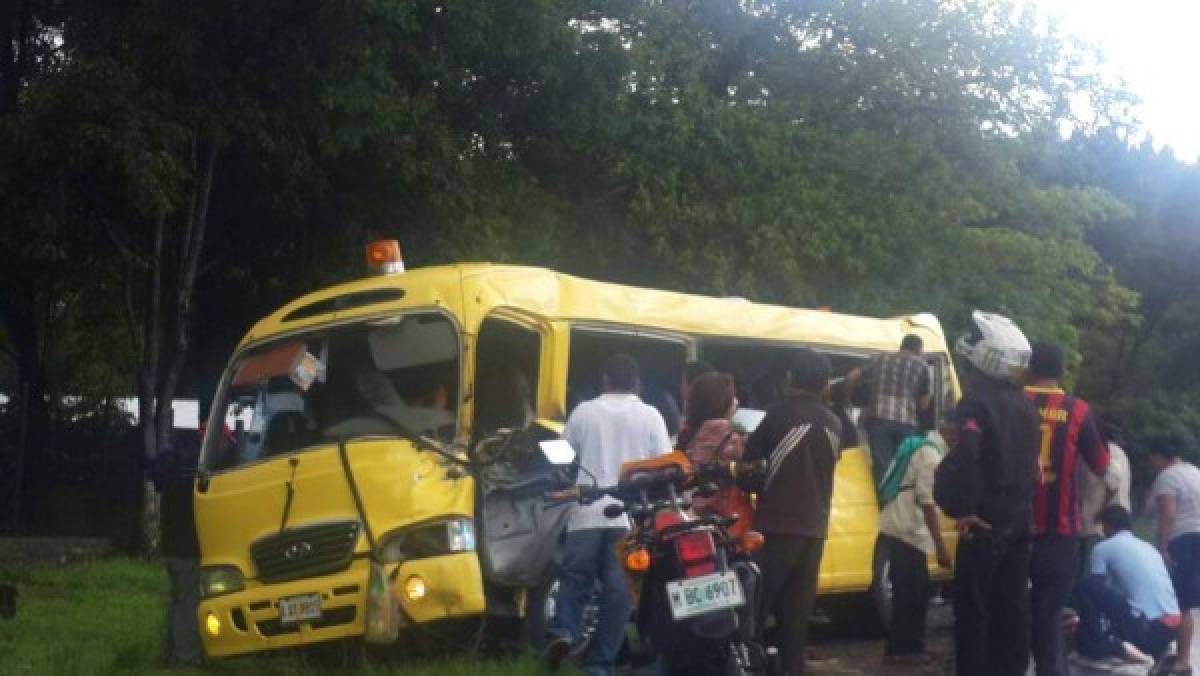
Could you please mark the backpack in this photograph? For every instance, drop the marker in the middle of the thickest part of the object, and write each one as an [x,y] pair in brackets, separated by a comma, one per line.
[957,485]
[890,486]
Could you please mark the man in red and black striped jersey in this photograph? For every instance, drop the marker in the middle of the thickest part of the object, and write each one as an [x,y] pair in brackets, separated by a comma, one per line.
[1070,439]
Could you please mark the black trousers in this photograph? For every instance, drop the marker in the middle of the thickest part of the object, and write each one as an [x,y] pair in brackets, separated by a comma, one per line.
[1105,620]
[991,605]
[909,574]
[1053,570]
[790,564]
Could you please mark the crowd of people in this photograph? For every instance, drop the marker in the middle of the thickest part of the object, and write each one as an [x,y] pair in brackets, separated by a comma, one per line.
[1036,481]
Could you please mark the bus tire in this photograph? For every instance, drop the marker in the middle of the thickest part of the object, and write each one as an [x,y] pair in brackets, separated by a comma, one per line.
[864,614]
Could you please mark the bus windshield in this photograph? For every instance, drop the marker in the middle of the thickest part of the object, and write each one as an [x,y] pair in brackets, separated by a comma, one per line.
[393,377]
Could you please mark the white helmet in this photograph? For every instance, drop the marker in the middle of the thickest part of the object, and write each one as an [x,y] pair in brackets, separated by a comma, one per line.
[995,346]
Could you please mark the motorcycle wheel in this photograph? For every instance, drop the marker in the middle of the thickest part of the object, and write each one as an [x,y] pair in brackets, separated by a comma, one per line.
[746,659]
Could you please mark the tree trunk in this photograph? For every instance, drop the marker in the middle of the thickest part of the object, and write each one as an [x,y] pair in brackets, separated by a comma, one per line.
[167,325]
[18,311]
[147,385]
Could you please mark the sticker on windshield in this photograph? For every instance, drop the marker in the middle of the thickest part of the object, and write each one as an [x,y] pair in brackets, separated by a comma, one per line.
[305,370]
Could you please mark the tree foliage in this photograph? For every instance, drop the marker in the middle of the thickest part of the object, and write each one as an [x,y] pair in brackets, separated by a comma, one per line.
[173,170]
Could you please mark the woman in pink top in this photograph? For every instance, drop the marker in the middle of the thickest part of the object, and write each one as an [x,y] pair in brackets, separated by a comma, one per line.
[708,437]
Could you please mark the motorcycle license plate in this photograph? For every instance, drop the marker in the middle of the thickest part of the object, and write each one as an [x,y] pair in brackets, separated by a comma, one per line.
[699,595]
[302,608]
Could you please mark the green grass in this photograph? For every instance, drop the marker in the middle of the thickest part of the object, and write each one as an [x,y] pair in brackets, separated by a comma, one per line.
[107,617]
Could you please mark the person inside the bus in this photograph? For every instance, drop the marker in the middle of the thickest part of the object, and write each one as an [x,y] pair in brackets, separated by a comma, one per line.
[770,387]
[503,401]
[386,412]
[668,407]
[839,401]
[427,412]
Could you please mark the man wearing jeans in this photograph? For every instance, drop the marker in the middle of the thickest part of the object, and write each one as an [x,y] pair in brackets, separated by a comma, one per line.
[174,474]
[899,389]
[612,429]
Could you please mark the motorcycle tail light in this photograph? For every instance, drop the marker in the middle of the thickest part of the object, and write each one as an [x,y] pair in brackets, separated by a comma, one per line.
[695,547]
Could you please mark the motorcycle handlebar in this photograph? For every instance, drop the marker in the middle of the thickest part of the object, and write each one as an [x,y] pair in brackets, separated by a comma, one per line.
[717,472]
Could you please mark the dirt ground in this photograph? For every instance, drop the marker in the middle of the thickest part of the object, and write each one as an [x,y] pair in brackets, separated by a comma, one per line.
[865,656]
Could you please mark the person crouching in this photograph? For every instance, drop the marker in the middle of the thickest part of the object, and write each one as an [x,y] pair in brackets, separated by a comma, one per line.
[1127,605]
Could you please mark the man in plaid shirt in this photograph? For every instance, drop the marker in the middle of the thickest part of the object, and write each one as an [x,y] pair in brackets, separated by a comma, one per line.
[899,390]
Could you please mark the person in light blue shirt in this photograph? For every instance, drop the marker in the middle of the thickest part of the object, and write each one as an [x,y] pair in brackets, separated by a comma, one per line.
[1127,605]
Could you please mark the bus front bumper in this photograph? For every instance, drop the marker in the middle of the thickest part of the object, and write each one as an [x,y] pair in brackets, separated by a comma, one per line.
[249,621]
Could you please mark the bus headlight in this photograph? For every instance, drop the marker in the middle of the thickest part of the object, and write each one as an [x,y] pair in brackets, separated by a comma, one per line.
[414,588]
[220,580]
[212,624]
[436,538]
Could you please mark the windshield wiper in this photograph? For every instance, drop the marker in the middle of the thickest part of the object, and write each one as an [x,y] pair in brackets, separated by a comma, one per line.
[291,493]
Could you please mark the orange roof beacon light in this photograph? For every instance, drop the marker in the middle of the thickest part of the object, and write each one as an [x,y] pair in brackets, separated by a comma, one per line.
[383,257]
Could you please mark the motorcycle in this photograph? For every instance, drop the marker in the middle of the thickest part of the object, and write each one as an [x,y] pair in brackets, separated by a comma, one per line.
[699,598]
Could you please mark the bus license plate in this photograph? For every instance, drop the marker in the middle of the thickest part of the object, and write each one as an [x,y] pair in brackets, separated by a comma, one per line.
[699,595]
[302,608]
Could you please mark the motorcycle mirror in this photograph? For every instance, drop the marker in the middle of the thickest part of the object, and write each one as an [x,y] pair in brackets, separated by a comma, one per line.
[557,451]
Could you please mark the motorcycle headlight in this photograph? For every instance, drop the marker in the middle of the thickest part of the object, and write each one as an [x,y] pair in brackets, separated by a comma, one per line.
[431,539]
[220,580]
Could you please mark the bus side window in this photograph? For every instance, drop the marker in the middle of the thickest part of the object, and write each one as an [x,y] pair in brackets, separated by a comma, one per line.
[660,364]
[941,389]
[506,377]
[759,373]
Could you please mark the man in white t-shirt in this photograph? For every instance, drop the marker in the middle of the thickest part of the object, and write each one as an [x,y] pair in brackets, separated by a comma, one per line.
[1175,500]
[1098,492]
[607,431]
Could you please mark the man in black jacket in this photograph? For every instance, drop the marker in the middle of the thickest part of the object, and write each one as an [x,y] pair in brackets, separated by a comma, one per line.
[987,483]
[174,474]
[801,441]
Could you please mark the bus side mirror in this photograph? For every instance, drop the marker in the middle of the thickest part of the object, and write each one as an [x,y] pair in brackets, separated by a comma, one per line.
[557,451]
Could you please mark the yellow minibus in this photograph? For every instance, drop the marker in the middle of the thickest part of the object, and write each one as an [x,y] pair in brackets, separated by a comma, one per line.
[372,479]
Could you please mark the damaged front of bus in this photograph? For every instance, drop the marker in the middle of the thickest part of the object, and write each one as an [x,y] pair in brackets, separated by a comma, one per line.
[321,514]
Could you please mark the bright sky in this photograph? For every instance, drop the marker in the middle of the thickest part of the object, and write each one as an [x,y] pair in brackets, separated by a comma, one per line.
[1152,45]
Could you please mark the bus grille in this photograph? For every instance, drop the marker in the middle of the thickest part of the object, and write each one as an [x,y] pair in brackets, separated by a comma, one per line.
[307,551]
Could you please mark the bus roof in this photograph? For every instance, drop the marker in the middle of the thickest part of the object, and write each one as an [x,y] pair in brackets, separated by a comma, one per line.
[550,295]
